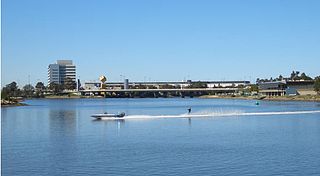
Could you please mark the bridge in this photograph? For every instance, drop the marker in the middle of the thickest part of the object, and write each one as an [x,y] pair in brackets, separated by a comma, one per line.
[159,92]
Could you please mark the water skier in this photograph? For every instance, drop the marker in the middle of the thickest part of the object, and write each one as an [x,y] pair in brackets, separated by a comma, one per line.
[189,110]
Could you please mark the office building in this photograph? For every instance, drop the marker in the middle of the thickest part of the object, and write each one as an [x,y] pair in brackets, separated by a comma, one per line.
[60,71]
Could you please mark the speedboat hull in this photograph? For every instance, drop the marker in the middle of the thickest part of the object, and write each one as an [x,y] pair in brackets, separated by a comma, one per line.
[108,116]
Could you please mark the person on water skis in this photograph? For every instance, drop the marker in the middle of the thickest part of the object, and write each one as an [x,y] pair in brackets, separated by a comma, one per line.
[189,110]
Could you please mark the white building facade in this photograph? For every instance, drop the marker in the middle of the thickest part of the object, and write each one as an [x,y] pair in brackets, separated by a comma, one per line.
[58,72]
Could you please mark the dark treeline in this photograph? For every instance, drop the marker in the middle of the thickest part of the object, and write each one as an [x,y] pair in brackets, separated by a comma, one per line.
[294,76]
[12,91]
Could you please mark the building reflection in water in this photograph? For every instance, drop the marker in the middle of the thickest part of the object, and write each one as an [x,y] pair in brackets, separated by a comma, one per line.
[62,122]
[63,137]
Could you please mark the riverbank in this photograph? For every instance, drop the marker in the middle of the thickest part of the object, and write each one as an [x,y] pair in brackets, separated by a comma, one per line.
[315,98]
[295,98]
[70,97]
[275,98]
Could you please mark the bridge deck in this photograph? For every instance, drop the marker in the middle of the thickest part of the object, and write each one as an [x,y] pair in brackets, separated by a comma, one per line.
[166,90]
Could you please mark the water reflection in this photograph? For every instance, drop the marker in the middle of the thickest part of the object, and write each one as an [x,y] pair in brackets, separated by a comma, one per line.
[118,122]
[63,137]
[189,122]
[62,122]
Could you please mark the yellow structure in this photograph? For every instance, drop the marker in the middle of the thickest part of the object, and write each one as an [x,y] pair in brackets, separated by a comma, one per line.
[102,79]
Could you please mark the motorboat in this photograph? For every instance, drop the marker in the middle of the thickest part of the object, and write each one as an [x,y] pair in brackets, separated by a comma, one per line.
[109,116]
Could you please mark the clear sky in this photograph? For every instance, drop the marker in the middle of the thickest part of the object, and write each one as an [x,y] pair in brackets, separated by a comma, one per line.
[160,39]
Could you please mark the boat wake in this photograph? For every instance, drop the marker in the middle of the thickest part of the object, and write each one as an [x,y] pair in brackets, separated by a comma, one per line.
[214,114]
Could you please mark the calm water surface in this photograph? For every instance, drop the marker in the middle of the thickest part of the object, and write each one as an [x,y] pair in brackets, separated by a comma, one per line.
[58,137]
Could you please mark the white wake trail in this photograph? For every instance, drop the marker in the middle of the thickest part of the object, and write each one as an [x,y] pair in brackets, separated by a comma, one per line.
[214,114]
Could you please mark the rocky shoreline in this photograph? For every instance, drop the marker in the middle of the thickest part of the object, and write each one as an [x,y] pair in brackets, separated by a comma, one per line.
[5,103]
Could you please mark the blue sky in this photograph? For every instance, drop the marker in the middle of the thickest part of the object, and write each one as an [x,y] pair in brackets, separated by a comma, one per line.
[160,39]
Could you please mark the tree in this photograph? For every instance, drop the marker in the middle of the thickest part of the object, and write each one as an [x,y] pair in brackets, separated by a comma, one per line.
[254,88]
[28,90]
[40,86]
[9,91]
[280,78]
[28,87]
[5,93]
[12,87]
[69,84]
[317,84]
[293,74]
[56,88]
[271,79]
[39,89]
[305,77]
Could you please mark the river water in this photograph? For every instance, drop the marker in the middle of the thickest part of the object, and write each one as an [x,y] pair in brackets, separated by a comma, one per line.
[158,137]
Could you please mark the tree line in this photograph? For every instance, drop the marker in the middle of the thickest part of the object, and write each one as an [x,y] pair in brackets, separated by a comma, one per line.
[12,91]
[294,76]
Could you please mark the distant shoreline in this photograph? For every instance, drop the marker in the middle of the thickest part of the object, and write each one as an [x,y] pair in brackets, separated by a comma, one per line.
[72,97]
[302,98]
[314,98]
[308,98]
